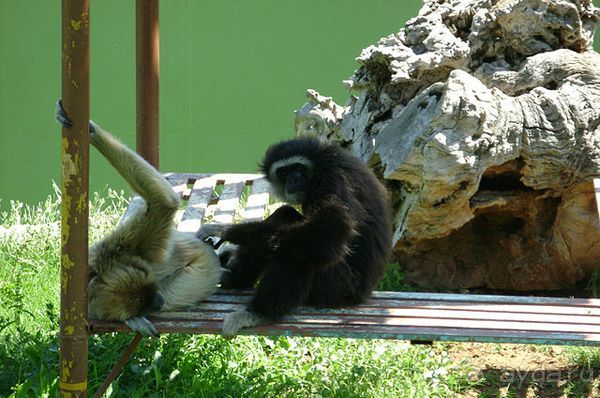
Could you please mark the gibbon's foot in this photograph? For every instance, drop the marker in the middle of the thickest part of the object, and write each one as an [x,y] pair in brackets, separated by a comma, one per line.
[65,121]
[232,323]
[142,325]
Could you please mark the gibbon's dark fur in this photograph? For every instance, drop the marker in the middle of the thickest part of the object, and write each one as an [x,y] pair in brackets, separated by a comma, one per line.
[331,255]
[144,265]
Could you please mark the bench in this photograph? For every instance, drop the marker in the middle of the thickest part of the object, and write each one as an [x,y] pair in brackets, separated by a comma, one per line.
[227,198]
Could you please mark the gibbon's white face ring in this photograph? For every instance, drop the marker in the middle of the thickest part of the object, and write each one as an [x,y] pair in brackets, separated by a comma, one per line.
[278,186]
[288,162]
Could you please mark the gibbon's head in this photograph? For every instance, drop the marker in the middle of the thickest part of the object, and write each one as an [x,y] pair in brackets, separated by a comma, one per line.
[121,291]
[289,167]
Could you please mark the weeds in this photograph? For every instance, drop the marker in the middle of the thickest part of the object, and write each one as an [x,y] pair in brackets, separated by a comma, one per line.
[593,284]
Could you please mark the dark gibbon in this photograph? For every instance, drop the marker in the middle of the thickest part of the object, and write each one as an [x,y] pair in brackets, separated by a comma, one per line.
[331,254]
[144,265]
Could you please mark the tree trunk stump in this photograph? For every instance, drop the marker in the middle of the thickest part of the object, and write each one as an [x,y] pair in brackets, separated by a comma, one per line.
[483,120]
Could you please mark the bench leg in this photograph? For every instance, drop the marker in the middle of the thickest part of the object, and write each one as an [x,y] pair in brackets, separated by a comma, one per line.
[118,366]
[421,342]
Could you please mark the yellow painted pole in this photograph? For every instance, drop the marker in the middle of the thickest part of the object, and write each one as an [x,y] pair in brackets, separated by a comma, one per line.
[74,206]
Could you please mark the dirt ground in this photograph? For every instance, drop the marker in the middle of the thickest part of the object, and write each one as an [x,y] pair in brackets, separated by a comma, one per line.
[523,371]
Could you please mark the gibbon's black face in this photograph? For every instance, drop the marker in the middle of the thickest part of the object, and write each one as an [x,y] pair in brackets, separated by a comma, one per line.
[289,177]
[291,166]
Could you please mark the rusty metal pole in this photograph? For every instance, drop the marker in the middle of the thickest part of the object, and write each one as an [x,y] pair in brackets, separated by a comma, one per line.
[74,205]
[147,71]
[114,373]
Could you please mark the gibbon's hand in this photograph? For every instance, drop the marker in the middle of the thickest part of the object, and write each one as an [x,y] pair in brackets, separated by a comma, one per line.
[249,234]
[284,215]
[337,218]
[62,117]
[208,230]
[142,325]
[233,322]
[238,234]
[225,252]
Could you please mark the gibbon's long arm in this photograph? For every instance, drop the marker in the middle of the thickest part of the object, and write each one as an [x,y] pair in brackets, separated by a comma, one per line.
[141,176]
[147,231]
[238,234]
[251,233]
[323,237]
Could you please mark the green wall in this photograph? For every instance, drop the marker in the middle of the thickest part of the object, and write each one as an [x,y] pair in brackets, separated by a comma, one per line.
[232,72]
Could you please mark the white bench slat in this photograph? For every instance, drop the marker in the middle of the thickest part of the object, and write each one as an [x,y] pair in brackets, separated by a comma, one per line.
[257,203]
[448,298]
[437,311]
[228,201]
[198,203]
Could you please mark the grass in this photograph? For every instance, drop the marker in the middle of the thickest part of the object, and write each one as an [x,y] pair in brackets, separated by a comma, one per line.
[201,366]
[593,284]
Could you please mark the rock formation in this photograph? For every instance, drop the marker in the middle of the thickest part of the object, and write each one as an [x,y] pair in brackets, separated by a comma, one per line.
[483,119]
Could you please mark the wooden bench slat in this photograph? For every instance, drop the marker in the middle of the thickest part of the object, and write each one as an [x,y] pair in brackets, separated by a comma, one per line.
[507,314]
[413,332]
[489,298]
[228,202]
[183,178]
[467,325]
[584,306]
[177,180]
[457,306]
[198,203]
[256,206]
[446,297]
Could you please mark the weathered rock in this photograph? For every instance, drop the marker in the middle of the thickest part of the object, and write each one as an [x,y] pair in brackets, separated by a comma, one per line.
[483,118]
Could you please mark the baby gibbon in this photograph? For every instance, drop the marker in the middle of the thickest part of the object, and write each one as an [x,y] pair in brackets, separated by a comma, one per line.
[144,265]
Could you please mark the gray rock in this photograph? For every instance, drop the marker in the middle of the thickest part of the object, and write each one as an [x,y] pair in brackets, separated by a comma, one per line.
[483,119]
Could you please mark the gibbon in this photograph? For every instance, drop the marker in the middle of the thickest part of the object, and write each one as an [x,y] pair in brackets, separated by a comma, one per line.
[331,255]
[144,265]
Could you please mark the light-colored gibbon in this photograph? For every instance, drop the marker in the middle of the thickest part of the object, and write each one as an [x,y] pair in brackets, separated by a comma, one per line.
[144,265]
